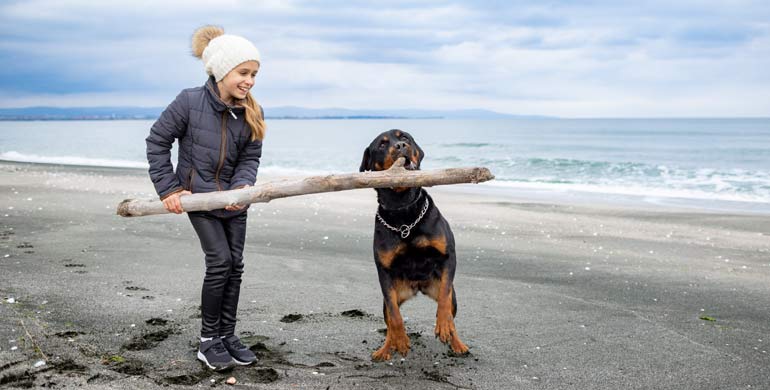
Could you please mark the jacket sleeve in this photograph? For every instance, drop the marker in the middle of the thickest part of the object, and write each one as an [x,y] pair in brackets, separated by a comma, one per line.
[248,163]
[171,125]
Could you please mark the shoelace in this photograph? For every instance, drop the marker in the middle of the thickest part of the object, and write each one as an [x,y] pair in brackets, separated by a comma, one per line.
[236,344]
[218,348]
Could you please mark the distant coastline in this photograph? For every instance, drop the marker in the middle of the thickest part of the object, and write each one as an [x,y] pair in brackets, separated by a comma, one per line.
[150,113]
[121,118]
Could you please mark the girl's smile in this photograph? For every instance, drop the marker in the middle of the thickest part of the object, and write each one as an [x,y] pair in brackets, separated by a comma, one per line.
[238,82]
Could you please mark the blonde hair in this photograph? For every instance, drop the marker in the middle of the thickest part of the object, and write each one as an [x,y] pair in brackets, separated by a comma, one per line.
[254,117]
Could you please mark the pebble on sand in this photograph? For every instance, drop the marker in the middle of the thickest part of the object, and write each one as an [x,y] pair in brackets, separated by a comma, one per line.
[231,380]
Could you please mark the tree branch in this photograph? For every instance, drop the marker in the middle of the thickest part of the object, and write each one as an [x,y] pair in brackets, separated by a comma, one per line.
[396,176]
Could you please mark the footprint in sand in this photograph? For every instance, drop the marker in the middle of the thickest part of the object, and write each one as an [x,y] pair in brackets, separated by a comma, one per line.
[148,340]
[289,318]
[156,321]
[68,334]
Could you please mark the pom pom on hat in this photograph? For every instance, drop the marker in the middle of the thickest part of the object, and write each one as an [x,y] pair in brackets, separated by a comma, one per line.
[221,52]
[202,36]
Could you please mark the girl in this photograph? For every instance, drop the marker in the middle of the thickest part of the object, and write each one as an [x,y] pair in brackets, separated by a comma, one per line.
[220,128]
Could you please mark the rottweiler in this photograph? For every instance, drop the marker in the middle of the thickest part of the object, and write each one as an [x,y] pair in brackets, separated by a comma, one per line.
[414,248]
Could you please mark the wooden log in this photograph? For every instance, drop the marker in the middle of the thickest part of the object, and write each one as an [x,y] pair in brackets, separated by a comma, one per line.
[396,176]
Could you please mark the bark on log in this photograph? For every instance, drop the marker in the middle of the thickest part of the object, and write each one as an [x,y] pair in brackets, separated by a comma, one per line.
[396,176]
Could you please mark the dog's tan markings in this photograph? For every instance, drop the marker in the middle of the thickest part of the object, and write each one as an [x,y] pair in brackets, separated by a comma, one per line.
[389,158]
[377,166]
[385,138]
[396,338]
[438,243]
[387,256]
[398,134]
[441,290]
[405,289]
[414,157]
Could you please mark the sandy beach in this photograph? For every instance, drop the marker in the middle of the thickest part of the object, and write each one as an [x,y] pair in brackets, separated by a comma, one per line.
[551,295]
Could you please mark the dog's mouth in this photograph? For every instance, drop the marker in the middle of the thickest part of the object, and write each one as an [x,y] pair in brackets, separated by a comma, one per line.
[408,164]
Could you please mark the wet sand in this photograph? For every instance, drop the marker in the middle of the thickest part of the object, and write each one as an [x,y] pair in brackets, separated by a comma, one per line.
[550,295]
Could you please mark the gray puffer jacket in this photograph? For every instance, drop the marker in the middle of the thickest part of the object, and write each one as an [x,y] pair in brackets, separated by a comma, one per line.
[215,148]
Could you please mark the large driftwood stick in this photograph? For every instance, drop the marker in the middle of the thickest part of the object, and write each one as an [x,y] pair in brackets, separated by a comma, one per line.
[396,176]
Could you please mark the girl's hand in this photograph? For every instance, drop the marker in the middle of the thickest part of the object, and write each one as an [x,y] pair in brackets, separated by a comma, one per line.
[236,207]
[172,203]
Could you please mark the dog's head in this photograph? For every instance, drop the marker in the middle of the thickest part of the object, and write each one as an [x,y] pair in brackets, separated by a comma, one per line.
[387,148]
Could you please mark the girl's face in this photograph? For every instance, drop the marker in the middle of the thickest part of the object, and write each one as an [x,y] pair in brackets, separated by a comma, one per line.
[237,83]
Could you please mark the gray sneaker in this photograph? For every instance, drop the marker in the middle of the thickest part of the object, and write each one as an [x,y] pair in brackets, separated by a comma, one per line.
[215,355]
[240,353]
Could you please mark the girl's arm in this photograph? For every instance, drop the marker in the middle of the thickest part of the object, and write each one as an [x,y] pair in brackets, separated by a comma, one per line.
[171,125]
[248,162]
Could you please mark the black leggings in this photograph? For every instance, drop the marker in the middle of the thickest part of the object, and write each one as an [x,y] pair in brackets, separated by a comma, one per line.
[222,242]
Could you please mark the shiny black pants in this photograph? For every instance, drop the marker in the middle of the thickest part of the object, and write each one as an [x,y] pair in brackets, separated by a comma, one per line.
[222,242]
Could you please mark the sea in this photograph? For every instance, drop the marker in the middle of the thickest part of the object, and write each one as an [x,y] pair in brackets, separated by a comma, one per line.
[710,164]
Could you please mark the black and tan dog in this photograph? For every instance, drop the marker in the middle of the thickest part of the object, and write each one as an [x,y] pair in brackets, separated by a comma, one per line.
[414,248]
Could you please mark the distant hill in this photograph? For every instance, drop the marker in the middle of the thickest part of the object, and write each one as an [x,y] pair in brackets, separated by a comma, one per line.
[287,112]
[291,112]
[65,113]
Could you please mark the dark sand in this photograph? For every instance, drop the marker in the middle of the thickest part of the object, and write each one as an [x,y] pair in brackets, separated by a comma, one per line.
[550,296]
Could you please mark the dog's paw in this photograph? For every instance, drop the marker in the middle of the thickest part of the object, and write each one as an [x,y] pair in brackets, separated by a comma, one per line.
[458,347]
[401,343]
[382,354]
[445,330]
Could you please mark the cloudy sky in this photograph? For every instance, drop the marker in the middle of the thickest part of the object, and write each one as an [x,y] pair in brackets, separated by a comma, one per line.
[600,58]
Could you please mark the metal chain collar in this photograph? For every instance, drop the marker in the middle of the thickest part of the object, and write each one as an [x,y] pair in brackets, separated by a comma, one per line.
[405,229]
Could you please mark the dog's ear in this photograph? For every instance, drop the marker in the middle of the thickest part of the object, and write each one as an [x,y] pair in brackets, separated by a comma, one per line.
[420,153]
[366,161]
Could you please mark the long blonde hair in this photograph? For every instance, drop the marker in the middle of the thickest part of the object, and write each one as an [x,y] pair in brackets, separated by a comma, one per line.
[254,117]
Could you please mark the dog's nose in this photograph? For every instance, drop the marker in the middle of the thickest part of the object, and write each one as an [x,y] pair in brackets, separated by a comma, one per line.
[401,145]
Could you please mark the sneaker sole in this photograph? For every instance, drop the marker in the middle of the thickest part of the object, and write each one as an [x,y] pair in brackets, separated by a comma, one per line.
[240,363]
[202,358]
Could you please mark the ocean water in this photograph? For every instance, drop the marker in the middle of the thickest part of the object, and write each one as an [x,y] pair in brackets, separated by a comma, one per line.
[723,162]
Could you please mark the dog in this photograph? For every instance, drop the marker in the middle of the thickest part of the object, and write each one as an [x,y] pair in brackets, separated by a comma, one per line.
[414,248]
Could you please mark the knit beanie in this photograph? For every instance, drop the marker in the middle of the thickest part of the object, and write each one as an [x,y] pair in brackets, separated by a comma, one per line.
[221,52]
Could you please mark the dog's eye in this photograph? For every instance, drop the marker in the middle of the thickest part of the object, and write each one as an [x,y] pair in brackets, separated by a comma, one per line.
[383,143]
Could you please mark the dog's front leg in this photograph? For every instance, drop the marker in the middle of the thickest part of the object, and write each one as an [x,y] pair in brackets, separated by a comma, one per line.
[396,338]
[446,311]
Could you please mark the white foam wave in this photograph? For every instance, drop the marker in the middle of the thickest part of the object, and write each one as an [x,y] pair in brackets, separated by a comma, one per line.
[719,187]
[634,190]
[71,160]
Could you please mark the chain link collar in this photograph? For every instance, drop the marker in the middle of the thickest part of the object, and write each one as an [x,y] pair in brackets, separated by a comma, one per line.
[405,229]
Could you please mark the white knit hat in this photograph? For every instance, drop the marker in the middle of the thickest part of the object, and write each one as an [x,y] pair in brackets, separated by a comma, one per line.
[222,52]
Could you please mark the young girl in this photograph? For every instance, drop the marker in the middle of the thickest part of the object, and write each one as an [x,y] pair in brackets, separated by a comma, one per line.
[220,128]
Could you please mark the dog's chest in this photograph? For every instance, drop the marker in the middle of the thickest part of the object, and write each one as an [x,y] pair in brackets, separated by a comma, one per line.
[416,259]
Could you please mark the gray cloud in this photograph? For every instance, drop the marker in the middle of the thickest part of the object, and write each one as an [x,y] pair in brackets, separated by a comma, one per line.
[598,58]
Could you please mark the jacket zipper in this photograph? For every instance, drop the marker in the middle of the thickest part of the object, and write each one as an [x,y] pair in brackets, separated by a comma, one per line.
[222,149]
[192,175]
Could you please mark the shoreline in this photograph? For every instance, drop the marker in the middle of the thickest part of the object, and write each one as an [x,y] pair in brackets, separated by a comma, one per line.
[510,192]
[552,296]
